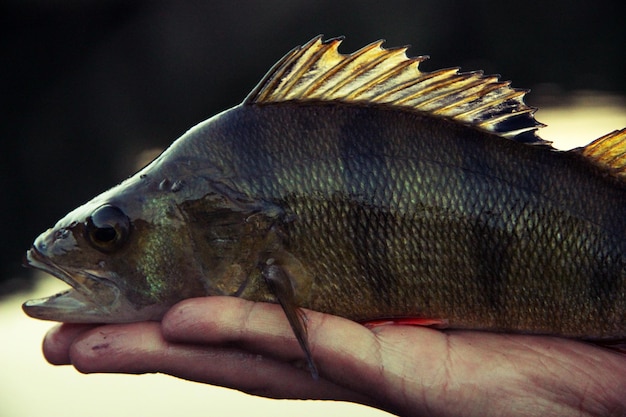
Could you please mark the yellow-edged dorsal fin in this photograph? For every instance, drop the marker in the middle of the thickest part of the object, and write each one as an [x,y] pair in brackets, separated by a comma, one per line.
[609,152]
[375,75]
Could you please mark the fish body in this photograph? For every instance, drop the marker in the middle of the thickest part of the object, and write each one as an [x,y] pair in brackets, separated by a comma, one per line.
[392,218]
[368,196]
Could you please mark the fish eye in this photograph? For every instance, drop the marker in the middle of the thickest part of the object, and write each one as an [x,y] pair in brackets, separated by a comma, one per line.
[107,228]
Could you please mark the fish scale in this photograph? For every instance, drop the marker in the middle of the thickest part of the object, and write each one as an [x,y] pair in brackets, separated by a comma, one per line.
[466,225]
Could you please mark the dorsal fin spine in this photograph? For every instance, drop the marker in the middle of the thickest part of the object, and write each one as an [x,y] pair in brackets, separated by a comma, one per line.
[391,90]
[402,66]
[456,109]
[374,75]
[341,66]
[363,69]
[448,89]
[295,77]
[473,87]
[429,83]
[313,56]
[260,93]
[476,110]
[383,92]
[506,116]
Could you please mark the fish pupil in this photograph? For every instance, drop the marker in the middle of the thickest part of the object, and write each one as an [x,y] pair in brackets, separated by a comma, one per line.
[105,234]
[107,228]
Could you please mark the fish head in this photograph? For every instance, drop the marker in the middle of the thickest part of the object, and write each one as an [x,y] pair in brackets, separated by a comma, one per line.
[125,254]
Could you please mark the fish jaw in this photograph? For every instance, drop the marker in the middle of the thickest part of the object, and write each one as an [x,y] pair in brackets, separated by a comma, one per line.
[68,306]
[93,298]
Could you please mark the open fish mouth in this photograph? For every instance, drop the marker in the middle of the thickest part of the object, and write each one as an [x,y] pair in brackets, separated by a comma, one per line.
[89,300]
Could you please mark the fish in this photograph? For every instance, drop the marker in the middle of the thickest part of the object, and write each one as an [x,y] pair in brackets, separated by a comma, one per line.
[360,186]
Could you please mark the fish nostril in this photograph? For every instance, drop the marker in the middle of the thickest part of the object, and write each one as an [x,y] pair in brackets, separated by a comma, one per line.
[61,234]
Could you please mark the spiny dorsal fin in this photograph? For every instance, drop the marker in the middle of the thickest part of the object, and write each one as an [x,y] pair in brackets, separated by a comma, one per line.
[375,75]
[609,152]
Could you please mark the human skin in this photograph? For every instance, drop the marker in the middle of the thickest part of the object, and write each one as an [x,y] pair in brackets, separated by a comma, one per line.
[407,370]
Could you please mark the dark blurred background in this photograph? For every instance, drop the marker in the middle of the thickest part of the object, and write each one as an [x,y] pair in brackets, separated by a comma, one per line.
[87,85]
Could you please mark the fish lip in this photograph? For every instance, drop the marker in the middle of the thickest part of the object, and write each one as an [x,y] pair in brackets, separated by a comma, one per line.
[35,259]
[91,294]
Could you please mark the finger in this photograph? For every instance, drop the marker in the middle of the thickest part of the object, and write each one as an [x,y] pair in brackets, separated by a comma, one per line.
[224,320]
[406,362]
[57,342]
[141,348]
[219,320]
[345,352]
[261,327]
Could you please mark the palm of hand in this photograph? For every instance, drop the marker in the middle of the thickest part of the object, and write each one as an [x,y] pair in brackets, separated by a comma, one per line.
[403,369]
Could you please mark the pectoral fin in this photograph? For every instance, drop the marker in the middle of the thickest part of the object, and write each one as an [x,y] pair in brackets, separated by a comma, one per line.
[281,287]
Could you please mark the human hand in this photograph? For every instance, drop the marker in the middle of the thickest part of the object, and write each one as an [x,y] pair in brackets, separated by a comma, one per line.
[406,370]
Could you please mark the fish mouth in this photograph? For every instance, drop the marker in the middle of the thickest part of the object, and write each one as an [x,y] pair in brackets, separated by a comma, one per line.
[89,300]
